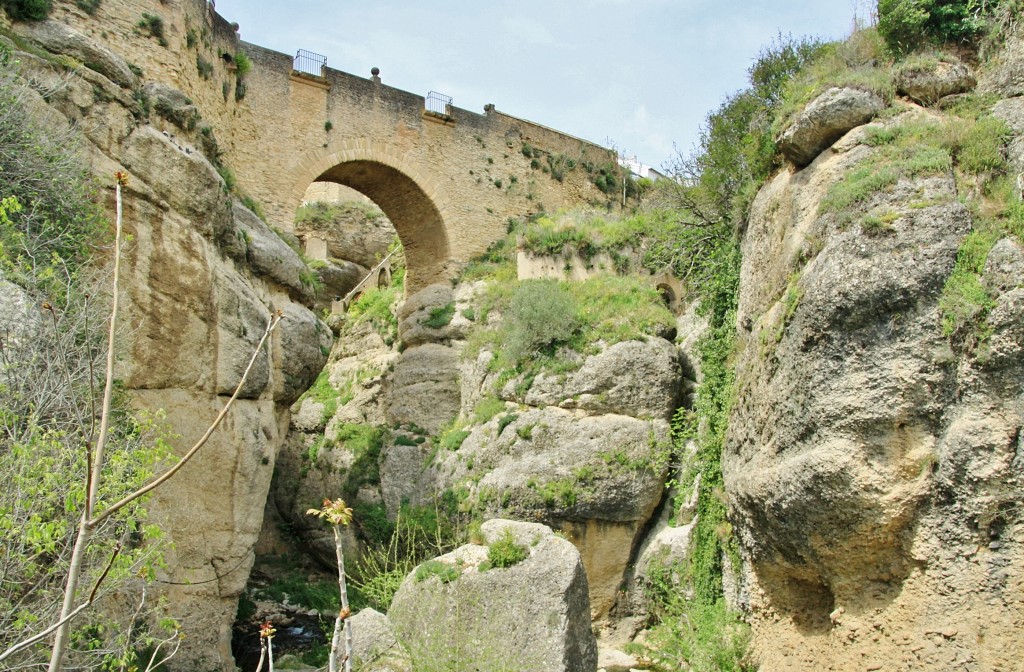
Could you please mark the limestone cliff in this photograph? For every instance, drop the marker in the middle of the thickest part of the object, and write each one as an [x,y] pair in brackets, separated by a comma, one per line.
[203,275]
[874,455]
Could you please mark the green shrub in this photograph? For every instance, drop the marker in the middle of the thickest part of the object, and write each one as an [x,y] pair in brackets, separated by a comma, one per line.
[243,63]
[505,552]
[444,572]
[377,307]
[698,637]
[365,443]
[395,550]
[204,67]
[88,6]
[965,302]
[27,10]
[298,589]
[505,421]
[908,24]
[983,148]
[541,315]
[154,25]
[440,317]
[487,408]
[453,438]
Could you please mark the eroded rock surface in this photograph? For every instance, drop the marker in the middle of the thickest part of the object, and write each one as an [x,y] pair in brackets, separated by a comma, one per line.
[535,612]
[826,119]
[870,459]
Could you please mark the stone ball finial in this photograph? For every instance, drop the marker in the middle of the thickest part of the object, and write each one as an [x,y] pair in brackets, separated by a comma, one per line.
[375,71]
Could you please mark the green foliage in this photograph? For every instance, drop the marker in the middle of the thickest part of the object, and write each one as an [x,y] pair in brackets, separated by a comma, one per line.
[88,6]
[365,443]
[322,215]
[324,393]
[50,358]
[903,151]
[698,637]
[983,147]
[154,25]
[27,10]
[394,550]
[452,439]
[298,588]
[560,491]
[505,551]
[908,24]
[377,306]
[444,572]
[965,302]
[487,408]
[52,225]
[243,63]
[541,315]
[858,62]
[204,67]
[440,317]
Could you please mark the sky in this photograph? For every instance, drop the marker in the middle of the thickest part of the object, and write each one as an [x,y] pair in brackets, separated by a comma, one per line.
[640,76]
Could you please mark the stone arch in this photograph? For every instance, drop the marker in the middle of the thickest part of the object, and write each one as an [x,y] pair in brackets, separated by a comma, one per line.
[407,197]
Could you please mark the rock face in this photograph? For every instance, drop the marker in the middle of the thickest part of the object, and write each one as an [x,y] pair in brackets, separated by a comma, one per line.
[871,461]
[535,612]
[202,278]
[826,119]
[585,452]
[375,647]
[928,83]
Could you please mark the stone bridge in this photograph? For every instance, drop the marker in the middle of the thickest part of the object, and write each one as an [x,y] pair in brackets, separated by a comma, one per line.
[448,179]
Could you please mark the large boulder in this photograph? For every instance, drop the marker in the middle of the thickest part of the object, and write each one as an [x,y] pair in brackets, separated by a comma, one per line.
[534,615]
[826,119]
[254,243]
[929,80]
[637,378]
[1011,111]
[435,314]
[181,181]
[597,478]
[425,387]
[375,647]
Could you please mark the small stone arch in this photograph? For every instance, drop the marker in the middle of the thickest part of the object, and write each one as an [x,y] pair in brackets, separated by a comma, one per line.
[406,197]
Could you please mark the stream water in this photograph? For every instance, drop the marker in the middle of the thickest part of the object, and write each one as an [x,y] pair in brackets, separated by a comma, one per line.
[300,634]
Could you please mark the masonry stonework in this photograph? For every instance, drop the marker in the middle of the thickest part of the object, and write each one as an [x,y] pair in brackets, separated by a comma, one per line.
[448,183]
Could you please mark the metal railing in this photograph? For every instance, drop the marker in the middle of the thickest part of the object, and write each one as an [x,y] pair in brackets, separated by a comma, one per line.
[438,103]
[310,63]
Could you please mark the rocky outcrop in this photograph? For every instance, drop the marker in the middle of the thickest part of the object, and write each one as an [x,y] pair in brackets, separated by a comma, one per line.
[425,387]
[194,312]
[635,378]
[352,231]
[463,609]
[59,38]
[1004,75]
[927,82]
[870,459]
[826,119]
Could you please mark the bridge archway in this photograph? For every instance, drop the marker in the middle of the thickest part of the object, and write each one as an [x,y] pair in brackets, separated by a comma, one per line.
[407,198]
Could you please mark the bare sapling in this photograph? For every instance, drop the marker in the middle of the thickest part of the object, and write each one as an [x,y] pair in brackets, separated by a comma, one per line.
[73,603]
[338,514]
